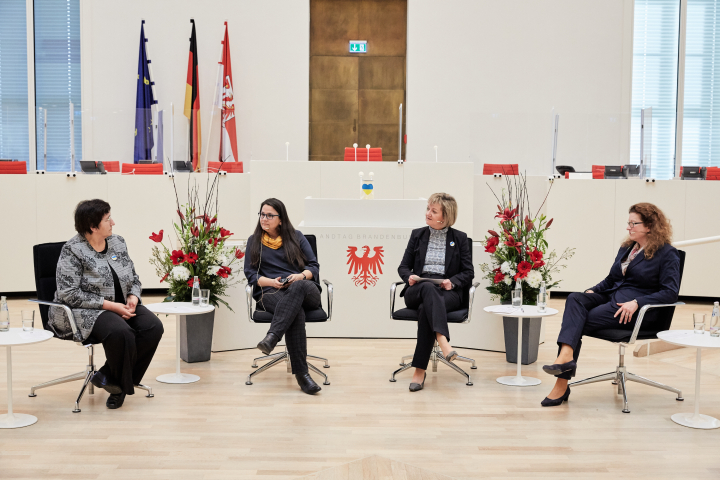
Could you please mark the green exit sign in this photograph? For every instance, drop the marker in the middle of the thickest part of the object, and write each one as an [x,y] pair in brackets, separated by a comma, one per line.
[358,46]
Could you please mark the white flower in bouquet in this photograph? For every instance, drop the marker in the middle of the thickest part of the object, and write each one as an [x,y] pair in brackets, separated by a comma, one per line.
[534,278]
[508,280]
[506,268]
[180,273]
[223,259]
[213,269]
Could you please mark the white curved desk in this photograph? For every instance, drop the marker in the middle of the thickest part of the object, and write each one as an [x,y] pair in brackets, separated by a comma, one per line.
[15,338]
[178,309]
[688,338]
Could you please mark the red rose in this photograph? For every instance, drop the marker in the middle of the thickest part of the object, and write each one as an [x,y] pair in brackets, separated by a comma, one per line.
[493,233]
[239,254]
[164,278]
[225,233]
[157,237]
[491,244]
[177,257]
[191,257]
[499,277]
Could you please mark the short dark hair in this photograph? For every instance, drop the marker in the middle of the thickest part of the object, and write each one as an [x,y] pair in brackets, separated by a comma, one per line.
[89,214]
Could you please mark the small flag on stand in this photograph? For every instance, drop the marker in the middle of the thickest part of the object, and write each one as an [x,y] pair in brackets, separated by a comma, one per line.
[192,102]
[226,102]
[144,101]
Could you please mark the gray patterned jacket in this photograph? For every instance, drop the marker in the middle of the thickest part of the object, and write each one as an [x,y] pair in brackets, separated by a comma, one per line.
[84,281]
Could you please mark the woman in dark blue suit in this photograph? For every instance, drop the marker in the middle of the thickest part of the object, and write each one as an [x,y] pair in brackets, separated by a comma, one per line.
[646,271]
[440,252]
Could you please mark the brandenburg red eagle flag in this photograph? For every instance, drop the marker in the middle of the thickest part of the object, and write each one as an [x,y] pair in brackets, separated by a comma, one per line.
[192,102]
[226,102]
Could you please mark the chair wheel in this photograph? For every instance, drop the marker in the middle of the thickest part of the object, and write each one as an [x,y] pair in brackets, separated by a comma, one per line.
[626,411]
[469,384]
[473,368]
[680,399]
[326,382]
[326,366]
[393,380]
[150,395]
[248,383]
[32,395]
[254,366]
[77,410]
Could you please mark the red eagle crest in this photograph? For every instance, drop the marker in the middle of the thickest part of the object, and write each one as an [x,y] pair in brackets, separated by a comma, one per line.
[365,269]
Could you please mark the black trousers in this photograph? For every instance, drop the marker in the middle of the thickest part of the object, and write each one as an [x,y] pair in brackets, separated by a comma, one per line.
[288,306]
[432,304]
[129,345]
[584,314]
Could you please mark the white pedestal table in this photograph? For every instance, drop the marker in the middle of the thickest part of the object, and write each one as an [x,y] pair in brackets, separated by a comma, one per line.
[526,311]
[14,338]
[178,309]
[688,338]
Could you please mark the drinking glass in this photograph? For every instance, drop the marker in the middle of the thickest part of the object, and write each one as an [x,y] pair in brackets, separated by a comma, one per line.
[204,297]
[541,302]
[517,298]
[699,323]
[28,320]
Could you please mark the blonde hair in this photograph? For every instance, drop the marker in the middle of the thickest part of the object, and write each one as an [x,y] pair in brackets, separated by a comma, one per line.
[448,205]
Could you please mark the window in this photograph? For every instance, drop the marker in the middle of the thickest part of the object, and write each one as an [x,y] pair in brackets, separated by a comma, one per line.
[701,111]
[654,83]
[57,80]
[13,82]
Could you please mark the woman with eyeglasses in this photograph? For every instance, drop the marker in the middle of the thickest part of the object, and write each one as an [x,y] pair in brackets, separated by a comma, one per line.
[284,274]
[646,271]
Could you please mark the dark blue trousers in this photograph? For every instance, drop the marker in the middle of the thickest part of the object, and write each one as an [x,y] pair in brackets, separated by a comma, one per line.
[586,313]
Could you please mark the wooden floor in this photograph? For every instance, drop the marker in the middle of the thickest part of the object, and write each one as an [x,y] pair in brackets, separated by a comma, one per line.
[219,428]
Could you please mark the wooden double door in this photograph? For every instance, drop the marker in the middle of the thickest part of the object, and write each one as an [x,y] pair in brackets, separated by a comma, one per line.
[355,97]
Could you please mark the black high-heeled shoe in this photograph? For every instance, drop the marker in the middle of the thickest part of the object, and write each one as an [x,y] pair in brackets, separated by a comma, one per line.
[415,387]
[558,368]
[549,402]
[267,344]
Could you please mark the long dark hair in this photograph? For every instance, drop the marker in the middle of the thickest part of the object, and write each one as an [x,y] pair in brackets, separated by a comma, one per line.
[293,252]
[655,220]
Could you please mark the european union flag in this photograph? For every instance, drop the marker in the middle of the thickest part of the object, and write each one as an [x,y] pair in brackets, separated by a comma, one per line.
[145,100]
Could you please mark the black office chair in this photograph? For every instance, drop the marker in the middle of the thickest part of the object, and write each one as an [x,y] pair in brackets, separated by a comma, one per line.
[45,257]
[624,338]
[457,316]
[311,316]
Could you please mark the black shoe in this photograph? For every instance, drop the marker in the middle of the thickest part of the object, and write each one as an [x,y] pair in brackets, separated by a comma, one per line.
[268,343]
[101,381]
[415,387]
[307,384]
[558,368]
[115,401]
[558,401]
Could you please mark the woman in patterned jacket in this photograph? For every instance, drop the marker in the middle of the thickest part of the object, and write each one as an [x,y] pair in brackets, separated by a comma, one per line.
[441,253]
[97,280]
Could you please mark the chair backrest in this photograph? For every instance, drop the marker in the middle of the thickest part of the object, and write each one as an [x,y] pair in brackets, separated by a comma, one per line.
[140,169]
[665,315]
[504,168]
[362,154]
[466,297]
[598,172]
[112,167]
[45,259]
[229,167]
[13,168]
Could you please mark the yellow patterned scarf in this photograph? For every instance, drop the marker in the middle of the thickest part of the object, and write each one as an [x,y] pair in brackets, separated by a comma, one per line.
[270,243]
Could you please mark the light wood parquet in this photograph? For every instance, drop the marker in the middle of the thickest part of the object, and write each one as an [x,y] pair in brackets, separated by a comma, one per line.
[219,428]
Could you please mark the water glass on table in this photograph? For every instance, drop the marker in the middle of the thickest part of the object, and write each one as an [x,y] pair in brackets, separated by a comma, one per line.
[28,320]
[204,297]
[699,323]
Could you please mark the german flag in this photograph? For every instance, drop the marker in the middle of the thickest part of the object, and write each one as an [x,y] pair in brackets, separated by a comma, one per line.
[192,102]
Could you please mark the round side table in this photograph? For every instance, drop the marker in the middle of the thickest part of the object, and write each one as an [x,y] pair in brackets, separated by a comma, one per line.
[178,309]
[526,311]
[16,337]
[688,338]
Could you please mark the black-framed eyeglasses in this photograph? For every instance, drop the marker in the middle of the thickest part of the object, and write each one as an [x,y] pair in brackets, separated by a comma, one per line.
[632,224]
[267,216]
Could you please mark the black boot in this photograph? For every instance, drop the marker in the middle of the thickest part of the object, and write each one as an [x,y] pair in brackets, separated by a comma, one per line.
[268,343]
[115,401]
[307,384]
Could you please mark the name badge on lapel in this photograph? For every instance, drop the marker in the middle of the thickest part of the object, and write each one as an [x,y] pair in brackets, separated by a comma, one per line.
[452,244]
[114,257]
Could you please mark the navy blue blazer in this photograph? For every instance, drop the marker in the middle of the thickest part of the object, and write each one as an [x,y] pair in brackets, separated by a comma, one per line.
[654,281]
[458,259]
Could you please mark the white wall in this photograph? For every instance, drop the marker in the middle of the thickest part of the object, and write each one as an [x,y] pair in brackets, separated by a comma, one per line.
[483,76]
[269,46]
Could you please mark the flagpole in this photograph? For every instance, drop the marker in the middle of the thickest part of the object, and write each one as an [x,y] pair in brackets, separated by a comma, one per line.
[212,112]
[172,138]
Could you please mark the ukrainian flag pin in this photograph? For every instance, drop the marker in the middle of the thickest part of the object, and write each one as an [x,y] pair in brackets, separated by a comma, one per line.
[452,244]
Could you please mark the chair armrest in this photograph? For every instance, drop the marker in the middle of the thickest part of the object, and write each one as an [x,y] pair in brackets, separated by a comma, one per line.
[330,292]
[393,288]
[249,298]
[68,311]
[641,315]
[471,300]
